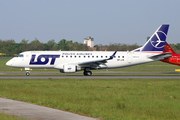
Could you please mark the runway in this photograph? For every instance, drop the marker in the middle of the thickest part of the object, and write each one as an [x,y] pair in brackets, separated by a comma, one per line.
[93,77]
[36,112]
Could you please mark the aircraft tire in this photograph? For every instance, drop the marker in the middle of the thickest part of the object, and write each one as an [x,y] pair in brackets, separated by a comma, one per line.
[27,73]
[87,73]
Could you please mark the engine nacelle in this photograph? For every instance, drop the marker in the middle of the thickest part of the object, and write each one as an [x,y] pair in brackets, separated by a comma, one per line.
[68,69]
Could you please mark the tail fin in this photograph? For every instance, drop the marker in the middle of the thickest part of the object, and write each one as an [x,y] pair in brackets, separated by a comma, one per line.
[174,59]
[157,40]
[167,48]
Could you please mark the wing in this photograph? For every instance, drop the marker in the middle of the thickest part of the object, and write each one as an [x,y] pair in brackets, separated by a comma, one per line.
[97,62]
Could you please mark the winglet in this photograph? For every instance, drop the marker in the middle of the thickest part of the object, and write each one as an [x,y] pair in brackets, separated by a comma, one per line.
[112,56]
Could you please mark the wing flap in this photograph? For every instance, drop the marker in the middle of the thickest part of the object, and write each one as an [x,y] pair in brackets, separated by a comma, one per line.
[93,62]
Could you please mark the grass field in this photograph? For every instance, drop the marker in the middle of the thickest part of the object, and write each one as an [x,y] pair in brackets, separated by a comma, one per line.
[110,99]
[8,117]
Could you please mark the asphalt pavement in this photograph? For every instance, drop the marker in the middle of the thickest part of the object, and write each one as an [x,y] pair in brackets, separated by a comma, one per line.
[36,112]
[92,77]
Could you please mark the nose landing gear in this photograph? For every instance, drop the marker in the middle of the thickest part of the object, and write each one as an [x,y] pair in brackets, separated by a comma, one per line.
[27,73]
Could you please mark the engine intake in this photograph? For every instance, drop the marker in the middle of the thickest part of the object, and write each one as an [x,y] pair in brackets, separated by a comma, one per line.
[68,69]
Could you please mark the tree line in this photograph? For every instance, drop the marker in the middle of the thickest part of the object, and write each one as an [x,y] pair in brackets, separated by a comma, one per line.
[10,47]
[176,47]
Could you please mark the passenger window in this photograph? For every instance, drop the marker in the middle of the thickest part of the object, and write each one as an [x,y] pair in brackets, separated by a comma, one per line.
[84,56]
[62,56]
[118,56]
[79,56]
[106,56]
[21,55]
[96,56]
[101,56]
[92,56]
[66,56]
[71,56]
[122,56]
[88,56]
[114,56]
[75,56]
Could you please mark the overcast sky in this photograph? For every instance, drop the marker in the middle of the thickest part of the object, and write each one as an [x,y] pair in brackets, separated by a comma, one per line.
[107,21]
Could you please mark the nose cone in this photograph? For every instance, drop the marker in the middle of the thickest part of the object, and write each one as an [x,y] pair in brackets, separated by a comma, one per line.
[9,63]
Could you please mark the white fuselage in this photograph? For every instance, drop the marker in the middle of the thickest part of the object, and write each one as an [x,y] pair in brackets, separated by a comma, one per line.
[72,61]
[57,59]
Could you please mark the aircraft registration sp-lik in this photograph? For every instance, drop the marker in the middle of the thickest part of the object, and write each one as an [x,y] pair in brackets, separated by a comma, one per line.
[72,61]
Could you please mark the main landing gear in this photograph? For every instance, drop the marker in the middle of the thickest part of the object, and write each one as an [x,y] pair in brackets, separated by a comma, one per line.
[87,73]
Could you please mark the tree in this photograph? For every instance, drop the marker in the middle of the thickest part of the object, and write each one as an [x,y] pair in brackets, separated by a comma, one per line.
[55,47]
[50,44]
[62,44]
[35,41]
[97,47]
[37,45]
[148,38]
[23,41]
[69,45]
[8,45]
[24,46]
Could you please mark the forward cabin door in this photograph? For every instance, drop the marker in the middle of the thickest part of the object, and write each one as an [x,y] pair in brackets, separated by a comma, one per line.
[129,57]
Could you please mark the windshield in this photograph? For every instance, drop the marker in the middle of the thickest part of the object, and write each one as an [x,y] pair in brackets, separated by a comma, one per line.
[20,55]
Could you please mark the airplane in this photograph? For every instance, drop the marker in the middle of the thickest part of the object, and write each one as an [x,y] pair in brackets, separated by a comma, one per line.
[73,61]
[174,58]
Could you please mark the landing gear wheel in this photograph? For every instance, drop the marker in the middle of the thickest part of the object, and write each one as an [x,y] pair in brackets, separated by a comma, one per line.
[27,73]
[87,73]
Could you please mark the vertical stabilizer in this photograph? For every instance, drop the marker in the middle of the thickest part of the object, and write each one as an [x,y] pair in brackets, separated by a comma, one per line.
[157,41]
[167,48]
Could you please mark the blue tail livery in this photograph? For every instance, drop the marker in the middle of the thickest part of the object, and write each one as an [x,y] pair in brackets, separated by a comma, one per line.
[157,40]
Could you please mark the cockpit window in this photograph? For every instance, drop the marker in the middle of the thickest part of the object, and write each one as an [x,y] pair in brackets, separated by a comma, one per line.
[17,55]
[20,55]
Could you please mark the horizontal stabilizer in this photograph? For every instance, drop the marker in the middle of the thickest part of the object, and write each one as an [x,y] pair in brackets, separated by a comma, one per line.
[160,56]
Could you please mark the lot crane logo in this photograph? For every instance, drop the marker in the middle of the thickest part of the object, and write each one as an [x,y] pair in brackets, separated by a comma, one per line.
[158,40]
